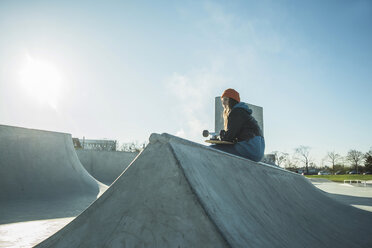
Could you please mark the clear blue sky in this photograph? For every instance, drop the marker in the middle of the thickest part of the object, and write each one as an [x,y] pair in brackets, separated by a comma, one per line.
[125,69]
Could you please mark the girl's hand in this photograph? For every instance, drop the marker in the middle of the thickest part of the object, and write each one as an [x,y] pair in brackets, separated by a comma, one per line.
[222,134]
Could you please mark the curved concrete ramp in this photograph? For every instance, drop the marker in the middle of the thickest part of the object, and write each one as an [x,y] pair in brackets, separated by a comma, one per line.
[105,166]
[182,194]
[41,176]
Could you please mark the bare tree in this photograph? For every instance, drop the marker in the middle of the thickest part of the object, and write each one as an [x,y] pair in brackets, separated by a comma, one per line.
[368,160]
[280,157]
[355,158]
[106,145]
[290,162]
[333,158]
[302,153]
[132,147]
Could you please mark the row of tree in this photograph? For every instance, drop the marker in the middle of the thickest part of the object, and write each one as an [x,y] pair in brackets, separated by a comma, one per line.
[301,157]
[131,146]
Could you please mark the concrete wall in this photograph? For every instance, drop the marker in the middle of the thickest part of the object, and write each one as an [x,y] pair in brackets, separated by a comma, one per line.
[105,166]
[218,123]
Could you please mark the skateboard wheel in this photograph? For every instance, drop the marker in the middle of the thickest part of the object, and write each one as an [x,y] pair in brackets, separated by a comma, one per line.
[205,133]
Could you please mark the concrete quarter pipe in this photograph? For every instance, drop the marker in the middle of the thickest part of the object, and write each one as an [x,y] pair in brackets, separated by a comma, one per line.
[181,194]
[41,176]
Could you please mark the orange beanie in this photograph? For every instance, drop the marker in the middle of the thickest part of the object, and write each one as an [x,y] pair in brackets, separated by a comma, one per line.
[231,93]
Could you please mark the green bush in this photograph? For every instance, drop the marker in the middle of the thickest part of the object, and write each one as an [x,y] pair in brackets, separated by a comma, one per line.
[341,178]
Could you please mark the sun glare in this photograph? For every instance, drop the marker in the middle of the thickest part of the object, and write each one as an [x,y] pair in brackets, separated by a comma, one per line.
[41,80]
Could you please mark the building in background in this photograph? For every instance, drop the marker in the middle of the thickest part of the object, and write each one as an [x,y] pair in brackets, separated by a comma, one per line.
[269,159]
[97,145]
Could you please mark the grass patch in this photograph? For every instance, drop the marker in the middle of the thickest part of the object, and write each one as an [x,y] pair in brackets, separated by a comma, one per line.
[341,178]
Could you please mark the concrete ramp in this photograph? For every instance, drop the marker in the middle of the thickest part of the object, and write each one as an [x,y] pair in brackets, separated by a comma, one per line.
[105,166]
[39,171]
[181,194]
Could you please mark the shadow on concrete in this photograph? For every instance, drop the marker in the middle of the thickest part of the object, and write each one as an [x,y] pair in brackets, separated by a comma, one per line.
[29,210]
[351,200]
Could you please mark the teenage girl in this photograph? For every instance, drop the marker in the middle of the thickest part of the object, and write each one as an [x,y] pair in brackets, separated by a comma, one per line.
[241,128]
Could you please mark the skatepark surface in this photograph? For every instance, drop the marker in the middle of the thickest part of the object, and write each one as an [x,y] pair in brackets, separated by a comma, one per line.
[177,193]
[358,196]
[41,178]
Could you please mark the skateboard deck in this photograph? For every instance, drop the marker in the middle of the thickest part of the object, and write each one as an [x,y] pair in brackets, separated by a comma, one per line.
[221,142]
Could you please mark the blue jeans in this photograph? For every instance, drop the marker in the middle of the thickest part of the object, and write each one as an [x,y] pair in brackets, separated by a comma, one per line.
[252,149]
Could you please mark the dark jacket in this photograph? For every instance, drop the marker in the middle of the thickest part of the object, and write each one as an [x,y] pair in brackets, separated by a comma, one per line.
[241,124]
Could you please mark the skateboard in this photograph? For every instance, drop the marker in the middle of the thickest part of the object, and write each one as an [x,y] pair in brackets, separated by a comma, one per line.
[221,142]
[215,139]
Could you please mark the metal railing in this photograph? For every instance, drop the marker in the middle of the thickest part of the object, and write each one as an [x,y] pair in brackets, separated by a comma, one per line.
[357,182]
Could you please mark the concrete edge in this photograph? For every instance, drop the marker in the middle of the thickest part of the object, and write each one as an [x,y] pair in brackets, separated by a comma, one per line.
[34,129]
[168,138]
[197,196]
